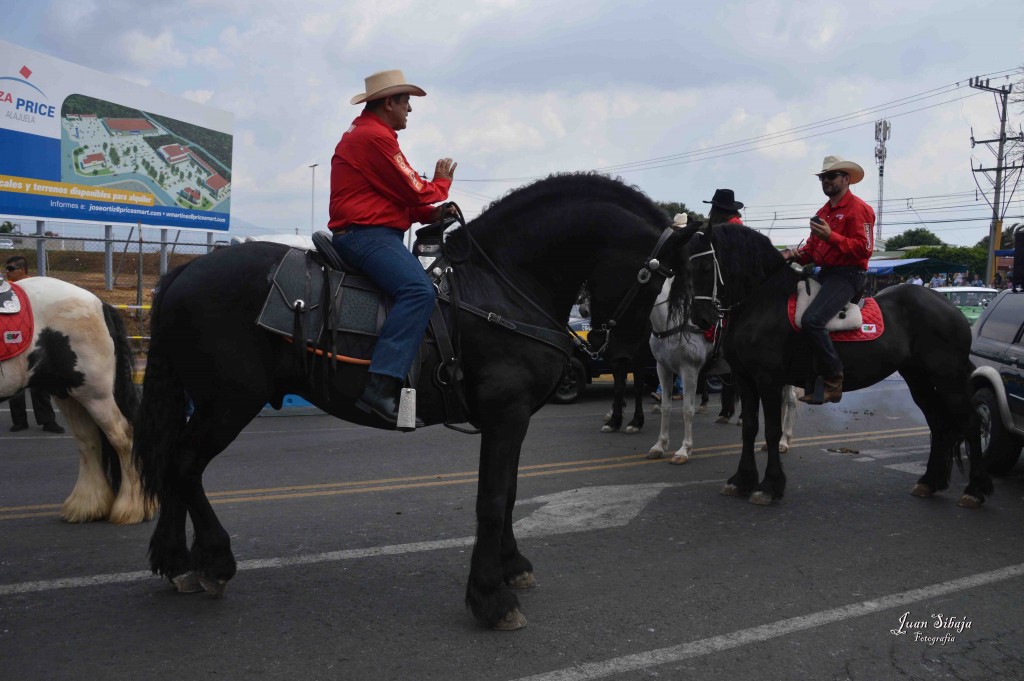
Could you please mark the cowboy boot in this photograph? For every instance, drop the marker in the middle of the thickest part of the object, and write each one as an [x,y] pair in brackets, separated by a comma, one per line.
[833,389]
[380,397]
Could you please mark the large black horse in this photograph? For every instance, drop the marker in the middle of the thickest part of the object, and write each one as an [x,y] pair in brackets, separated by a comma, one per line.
[523,260]
[735,270]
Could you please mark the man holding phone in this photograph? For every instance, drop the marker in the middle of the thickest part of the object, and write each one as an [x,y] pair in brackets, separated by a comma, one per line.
[841,243]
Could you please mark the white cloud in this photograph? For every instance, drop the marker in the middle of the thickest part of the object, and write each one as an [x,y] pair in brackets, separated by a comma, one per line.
[159,51]
[200,96]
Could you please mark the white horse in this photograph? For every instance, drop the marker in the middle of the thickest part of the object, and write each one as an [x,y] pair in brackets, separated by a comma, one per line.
[79,354]
[681,348]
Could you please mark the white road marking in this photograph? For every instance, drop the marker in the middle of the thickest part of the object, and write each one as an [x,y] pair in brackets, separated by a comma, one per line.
[915,467]
[577,510]
[736,639]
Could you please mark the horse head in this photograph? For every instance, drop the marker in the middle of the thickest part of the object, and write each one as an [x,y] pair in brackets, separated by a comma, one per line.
[725,264]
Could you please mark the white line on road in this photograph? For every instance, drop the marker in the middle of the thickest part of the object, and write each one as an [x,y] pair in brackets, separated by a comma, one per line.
[661,656]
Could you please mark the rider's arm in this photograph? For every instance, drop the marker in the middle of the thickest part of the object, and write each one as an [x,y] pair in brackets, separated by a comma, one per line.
[388,171]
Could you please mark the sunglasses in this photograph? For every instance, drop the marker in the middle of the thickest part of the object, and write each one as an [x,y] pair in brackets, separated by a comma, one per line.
[11,268]
[831,176]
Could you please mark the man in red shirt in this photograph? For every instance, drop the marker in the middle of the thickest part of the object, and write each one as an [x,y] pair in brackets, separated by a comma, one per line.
[840,244]
[375,197]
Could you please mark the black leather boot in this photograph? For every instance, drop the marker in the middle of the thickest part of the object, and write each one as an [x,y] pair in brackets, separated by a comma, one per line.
[380,397]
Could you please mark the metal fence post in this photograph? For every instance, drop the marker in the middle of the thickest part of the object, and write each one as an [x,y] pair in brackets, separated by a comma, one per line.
[163,252]
[108,257]
[209,242]
[41,248]
[138,275]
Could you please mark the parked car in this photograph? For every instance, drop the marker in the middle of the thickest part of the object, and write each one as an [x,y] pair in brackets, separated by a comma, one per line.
[971,300]
[6,244]
[997,385]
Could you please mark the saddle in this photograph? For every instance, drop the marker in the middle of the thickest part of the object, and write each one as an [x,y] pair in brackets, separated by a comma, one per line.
[16,322]
[330,309]
[860,320]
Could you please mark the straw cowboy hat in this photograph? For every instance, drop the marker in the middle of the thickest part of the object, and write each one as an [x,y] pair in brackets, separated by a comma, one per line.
[855,172]
[726,200]
[386,84]
[679,221]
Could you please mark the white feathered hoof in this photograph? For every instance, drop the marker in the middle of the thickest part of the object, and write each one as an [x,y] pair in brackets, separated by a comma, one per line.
[511,622]
[632,430]
[214,587]
[969,501]
[679,459]
[187,583]
[923,491]
[608,429]
[656,452]
[783,448]
[524,580]
[730,490]
[608,417]
[761,499]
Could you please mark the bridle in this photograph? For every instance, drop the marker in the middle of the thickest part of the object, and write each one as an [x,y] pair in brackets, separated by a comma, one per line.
[652,266]
[715,280]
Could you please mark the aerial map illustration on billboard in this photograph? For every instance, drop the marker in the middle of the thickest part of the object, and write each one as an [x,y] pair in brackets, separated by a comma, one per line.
[78,144]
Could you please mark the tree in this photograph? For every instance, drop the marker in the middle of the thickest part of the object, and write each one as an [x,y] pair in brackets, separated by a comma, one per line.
[673,208]
[920,236]
[7,227]
[1008,237]
[974,257]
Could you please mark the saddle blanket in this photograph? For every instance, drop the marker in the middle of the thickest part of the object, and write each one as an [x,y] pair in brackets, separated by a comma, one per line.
[16,328]
[871,327]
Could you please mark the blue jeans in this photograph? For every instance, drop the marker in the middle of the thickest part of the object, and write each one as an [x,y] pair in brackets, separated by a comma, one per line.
[381,254]
[838,286]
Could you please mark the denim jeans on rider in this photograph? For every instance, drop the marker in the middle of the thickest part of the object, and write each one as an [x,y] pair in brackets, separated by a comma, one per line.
[838,286]
[380,252]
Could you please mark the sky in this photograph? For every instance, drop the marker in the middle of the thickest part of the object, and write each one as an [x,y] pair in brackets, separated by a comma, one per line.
[676,97]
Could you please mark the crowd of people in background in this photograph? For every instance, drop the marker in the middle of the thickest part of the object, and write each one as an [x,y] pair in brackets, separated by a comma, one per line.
[961,279]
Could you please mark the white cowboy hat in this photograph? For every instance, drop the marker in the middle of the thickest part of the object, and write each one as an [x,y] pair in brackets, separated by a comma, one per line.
[831,163]
[386,84]
[680,220]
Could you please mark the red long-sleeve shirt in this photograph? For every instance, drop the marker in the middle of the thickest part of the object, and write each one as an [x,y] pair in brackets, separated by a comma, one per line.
[372,183]
[852,238]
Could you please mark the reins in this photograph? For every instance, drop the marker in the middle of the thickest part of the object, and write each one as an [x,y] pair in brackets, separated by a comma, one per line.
[651,266]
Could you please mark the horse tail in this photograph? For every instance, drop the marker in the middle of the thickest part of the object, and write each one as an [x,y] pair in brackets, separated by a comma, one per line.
[161,415]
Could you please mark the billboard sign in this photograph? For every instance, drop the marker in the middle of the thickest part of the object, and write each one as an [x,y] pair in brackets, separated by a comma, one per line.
[77,144]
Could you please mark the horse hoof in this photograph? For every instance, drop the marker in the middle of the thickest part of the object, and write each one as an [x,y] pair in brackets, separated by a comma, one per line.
[969,501]
[783,449]
[607,417]
[187,583]
[679,459]
[761,499]
[512,621]
[701,409]
[214,587]
[764,447]
[655,454]
[631,430]
[923,491]
[722,419]
[608,429]
[524,580]
[730,490]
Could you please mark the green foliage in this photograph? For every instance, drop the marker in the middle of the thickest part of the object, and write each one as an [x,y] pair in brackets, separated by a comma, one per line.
[673,208]
[7,227]
[1008,237]
[80,104]
[973,257]
[215,144]
[920,236]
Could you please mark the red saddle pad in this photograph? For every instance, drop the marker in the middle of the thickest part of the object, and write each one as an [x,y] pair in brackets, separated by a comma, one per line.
[16,329]
[871,328]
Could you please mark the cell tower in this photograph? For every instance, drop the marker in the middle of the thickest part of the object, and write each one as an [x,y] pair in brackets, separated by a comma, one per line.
[882,129]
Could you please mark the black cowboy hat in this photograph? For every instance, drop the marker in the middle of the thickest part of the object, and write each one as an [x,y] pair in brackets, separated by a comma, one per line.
[725,199]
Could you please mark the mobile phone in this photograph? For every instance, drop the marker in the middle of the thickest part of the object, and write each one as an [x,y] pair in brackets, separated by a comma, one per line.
[815,219]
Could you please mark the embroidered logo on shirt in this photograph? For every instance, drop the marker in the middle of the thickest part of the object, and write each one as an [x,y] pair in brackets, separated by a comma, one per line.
[414,179]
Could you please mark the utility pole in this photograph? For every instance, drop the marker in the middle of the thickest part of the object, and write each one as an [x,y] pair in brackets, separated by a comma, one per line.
[995,233]
[882,129]
[312,200]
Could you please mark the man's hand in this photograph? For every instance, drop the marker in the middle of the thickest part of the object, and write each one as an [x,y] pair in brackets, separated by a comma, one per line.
[787,253]
[820,228]
[445,169]
[440,213]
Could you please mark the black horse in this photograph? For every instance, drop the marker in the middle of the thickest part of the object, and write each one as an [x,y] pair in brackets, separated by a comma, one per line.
[521,262]
[735,270]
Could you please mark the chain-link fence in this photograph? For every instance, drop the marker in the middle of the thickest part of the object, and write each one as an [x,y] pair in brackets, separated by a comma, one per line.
[120,264]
